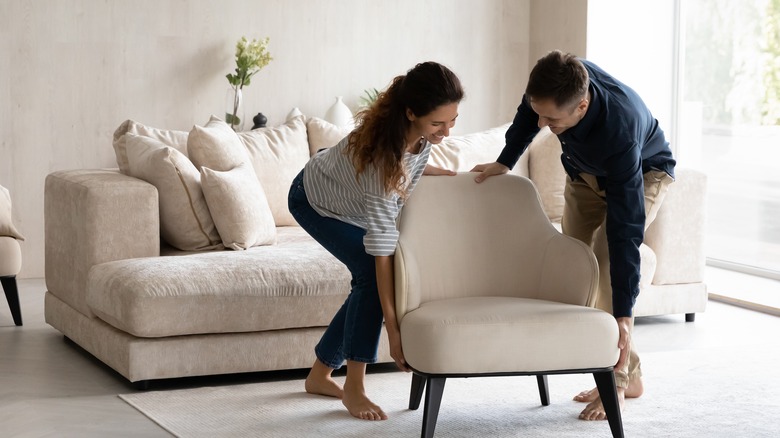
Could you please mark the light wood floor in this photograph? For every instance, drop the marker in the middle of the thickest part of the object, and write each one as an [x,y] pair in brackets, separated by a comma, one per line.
[51,388]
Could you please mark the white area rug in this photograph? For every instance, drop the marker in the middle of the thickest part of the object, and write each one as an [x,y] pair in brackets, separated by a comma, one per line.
[688,394]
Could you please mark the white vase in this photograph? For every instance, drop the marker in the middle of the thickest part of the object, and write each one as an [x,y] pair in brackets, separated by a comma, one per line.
[340,115]
[295,112]
[234,109]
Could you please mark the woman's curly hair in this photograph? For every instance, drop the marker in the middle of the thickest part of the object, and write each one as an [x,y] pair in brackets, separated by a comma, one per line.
[380,137]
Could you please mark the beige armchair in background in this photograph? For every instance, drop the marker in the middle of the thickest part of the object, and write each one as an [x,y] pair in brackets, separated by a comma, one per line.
[10,256]
[486,286]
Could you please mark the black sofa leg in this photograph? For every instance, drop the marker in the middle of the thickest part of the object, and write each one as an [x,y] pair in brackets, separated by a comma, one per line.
[690,317]
[416,393]
[12,296]
[544,392]
[605,382]
[432,403]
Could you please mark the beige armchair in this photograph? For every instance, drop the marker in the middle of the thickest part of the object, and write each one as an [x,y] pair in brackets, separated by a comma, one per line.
[10,256]
[486,286]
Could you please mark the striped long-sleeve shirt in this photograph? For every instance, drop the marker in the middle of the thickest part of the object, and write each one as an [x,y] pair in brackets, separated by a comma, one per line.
[333,191]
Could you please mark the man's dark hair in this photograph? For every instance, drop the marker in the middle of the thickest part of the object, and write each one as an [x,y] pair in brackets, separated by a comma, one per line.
[558,76]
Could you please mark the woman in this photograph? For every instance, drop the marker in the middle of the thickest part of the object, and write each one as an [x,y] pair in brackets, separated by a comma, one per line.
[348,198]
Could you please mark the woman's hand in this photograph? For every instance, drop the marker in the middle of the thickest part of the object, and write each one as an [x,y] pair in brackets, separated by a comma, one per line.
[396,351]
[433,170]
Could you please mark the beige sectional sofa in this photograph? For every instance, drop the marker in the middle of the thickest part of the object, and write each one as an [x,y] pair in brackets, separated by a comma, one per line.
[150,310]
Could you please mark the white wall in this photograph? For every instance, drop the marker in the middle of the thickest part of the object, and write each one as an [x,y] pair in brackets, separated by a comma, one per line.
[72,70]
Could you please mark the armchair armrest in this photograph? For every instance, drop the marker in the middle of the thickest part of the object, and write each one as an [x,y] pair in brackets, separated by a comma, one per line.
[677,234]
[91,217]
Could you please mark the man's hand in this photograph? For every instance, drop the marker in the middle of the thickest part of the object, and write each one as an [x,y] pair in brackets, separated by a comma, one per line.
[433,170]
[624,342]
[489,169]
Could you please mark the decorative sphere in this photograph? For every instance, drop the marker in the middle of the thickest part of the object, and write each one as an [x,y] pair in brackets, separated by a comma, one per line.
[260,120]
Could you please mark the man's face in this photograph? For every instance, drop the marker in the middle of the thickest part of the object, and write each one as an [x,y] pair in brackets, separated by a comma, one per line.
[558,119]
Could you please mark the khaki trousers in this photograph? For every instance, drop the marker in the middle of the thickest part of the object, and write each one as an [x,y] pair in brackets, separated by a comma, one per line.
[585,209]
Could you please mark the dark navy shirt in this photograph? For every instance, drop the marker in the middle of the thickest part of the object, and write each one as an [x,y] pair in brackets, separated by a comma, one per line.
[617,141]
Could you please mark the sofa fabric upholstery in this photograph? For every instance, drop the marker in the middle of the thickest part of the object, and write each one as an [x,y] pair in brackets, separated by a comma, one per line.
[151,310]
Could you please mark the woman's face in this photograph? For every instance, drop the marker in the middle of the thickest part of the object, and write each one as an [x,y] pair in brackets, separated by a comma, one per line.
[435,125]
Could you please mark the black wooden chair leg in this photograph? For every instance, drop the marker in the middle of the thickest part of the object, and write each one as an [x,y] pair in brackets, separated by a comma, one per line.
[416,393]
[432,403]
[605,382]
[544,392]
[12,296]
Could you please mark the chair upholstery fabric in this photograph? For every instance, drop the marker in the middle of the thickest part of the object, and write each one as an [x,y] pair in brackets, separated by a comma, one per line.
[486,285]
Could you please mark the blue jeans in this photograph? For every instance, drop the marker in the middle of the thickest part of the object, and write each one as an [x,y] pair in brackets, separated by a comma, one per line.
[353,334]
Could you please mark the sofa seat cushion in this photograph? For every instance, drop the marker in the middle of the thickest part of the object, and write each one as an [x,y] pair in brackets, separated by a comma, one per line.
[293,284]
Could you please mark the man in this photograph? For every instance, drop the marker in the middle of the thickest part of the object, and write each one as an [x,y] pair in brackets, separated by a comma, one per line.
[618,166]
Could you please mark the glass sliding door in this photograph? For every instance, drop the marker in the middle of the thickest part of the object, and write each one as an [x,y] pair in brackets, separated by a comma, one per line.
[729,125]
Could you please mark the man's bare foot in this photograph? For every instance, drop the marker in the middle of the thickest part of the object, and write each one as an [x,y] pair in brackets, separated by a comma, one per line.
[320,382]
[635,390]
[360,406]
[595,409]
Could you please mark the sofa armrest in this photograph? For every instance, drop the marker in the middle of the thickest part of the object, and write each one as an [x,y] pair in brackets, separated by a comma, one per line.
[91,217]
[677,234]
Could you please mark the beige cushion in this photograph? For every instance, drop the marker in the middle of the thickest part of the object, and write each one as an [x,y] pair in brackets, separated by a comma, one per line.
[185,221]
[323,134]
[238,206]
[277,155]
[546,171]
[6,218]
[291,285]
[174,139]
[215,146]
[10,256]
[507,334]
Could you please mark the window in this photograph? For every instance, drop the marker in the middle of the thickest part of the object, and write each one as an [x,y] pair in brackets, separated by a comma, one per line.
[730,120]
[710,72]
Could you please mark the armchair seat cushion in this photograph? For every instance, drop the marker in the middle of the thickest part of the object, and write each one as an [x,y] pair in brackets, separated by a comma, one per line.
[10,256]
[293,284]
[495,335]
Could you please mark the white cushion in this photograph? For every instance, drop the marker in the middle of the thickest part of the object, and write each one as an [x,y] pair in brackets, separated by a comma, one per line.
[215,146]
[323,134]
[462,152]
[546,171]
[277,155]
[238,206]
[496,334]
[172,138]
[185,221]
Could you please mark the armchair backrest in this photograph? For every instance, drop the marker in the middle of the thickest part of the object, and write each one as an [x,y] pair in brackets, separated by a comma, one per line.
[460,239]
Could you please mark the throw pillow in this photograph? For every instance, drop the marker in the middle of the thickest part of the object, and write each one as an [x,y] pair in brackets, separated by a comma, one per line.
[185,221]
[215,146]
[277,155]
[323,134]
[174,139]
[238,205]
[462,152]
[6,219]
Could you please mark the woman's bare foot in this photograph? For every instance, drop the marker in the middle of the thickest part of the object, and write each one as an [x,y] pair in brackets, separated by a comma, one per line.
[355,399]
[319,381]
[358,404]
